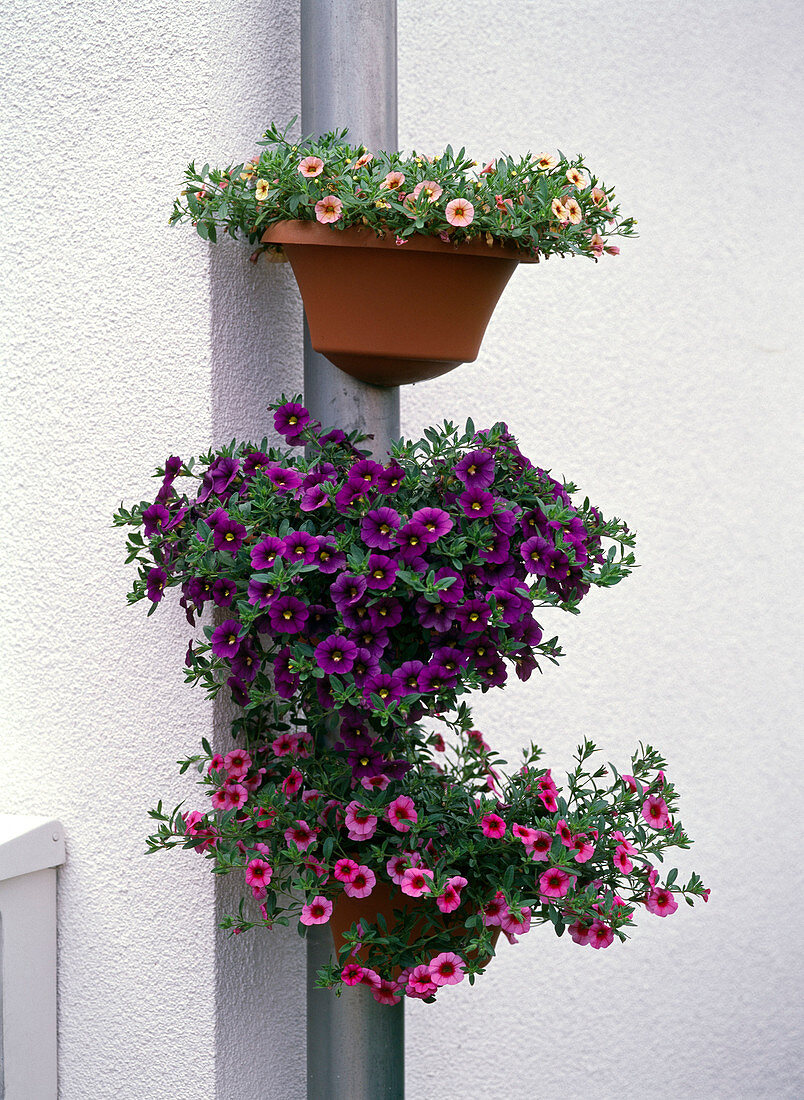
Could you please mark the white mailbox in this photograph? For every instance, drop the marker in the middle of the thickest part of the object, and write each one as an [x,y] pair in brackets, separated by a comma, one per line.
[31,848]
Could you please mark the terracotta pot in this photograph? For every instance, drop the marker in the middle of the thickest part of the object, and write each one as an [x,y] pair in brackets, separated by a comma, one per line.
[346,911]
[391,314]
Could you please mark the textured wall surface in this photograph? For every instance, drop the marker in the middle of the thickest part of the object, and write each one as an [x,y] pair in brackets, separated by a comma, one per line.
[662,381]
[124,342]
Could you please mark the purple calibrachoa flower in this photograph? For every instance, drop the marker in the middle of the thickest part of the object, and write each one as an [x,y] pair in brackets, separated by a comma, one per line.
[253,463]
[384,685]
[245,663]
[225,640]
[223,592]
[223,471]
[385,613]
[434,523]
[435,616]
[390,480]
[364,473]
[378,528]
[476,503]
[407,675]
[155,584]
[153,518]
[313,498]
[288,615]
[347,589]
[300,546]
[266,551]
[290,419]
[336,654]
[412,541]
[229,535]
[328,557]
[260,593]
[454,592]
[375,641]
[473,616]
[284,480]
[381,572]
[476,470]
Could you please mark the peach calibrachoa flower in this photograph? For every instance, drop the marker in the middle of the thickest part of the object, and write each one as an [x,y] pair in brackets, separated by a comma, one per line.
[574,212]
[432,190]
[575,177]
[598,196]
[460,212]
[559,210]
[261,189]
[546,161]
[311,166]
[365,158]
[393,181]
[328,209]
[596,244]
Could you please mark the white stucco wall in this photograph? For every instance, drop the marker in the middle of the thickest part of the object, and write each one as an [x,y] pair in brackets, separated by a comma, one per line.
[663,381]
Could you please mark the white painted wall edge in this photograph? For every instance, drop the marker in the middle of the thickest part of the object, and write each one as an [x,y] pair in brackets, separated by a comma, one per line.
[29,844]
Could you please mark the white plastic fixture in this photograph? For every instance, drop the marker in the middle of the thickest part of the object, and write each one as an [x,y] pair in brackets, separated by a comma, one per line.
[31,848]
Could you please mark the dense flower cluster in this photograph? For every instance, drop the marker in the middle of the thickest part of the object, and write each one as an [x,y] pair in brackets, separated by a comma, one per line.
[517,852]
[540,205]
[354,602]
[369,594]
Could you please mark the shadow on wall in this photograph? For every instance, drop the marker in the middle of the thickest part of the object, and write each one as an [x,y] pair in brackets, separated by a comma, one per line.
[256,319]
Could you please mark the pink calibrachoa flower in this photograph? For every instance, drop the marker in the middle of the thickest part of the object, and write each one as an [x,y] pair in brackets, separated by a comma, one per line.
[402,813]
[386,993]
[629,780]
[216,763]
[661,902]
[352,974]
[622,860]
[584,849]
[563,830]
[460,212]
[230,797]
[450,900]
[371,978]
[397,865]
[344,870]
[419,983]
[600,935]
[495,910]
[317,867]
[432,190]
[311,166]
[555,883]
[361,883]
[539,847]
[374,782]
[293,782]
[655,812]
[416,882]
[328,209]
[285,745]
[301,835]
[493,826]
[516,922]
[237,763]
[317,912]
[579,932]
[447,969]
[258,873]
[361,824]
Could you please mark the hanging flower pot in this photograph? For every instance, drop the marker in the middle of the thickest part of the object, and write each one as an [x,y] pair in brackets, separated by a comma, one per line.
[401,259]
[390,313]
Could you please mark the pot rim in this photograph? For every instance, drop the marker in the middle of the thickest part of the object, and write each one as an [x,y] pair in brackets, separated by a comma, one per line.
[299,232]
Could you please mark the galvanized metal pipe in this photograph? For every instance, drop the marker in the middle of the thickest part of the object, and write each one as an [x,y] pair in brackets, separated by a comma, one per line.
[355,1047]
